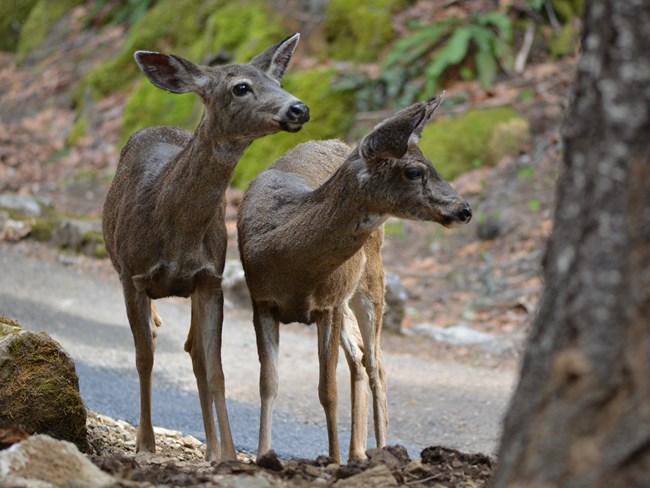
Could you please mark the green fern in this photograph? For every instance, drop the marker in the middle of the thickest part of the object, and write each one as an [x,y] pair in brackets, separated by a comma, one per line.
[486,39]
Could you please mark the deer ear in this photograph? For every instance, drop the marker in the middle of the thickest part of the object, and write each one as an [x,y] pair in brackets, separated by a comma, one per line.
[390,139]
[274,61]
[169,72]
[430,106]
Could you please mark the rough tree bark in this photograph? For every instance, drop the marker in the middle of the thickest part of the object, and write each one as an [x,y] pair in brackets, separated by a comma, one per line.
[580,416]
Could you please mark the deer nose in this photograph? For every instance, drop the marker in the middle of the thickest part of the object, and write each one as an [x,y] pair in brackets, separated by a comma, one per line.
[465,214]
[298,112]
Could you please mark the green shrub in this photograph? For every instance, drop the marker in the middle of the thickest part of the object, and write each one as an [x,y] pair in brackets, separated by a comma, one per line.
[456,146]
[332,117]
[13,16]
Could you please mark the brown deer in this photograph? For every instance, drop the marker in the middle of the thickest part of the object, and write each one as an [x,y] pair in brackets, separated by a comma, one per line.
[310,236]
[163,219]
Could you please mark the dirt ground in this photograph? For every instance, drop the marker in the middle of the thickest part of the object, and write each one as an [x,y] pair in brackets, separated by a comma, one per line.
[179,462]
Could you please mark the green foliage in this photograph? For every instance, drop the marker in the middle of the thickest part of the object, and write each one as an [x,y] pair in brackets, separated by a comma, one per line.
[174,23]
[239,31]
[484,39]
[332,117]
[13,15]
[150,106]
[567,10]
[565,42]
[453,145]
[42,17]
[120,11]
[359,30]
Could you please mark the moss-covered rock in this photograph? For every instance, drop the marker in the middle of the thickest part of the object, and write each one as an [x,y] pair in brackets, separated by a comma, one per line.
[359,30]
[13,16]
[457,145]
[150,106]
[240,30]
[42,17]
[332,117]
[170,24]
[39,388]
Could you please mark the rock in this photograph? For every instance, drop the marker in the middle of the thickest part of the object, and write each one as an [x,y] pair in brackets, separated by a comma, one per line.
[24,204]
[270,461]
[457,335]
[377,477]
[78,235]
[396,296]
[489,228]
[39,388]
[42,459]
[234,285]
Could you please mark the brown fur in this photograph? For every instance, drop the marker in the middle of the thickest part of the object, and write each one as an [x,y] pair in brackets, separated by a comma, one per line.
[163,218]
[310,237]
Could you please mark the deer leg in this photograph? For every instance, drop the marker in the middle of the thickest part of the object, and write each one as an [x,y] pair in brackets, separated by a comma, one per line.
[138,309]
[267,333]
[329,332]
[156,324]
[369,315]
[351,342]
[205,339]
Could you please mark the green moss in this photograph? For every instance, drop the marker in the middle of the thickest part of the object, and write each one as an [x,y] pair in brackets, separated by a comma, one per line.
[39,388]
[42,229]
[332,117]
[455,146]
[175,23]
[566,41]
[8,327]
[13,15]
[359,30]
[243,31]
[79,130]
[41,18]
[149,106]
[567,10]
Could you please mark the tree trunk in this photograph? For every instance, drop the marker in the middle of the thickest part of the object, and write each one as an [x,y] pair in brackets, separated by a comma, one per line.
[580,416]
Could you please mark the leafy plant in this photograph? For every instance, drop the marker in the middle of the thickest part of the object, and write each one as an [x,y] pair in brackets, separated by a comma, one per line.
[119,11]
[486,39]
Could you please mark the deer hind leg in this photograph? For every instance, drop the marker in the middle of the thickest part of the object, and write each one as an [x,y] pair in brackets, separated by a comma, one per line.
[267,333]
[369,312]
[204,345]
[138,310]
[329,333]
[352,345]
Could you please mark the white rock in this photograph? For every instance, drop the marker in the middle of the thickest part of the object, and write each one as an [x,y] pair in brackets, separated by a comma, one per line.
[44,461]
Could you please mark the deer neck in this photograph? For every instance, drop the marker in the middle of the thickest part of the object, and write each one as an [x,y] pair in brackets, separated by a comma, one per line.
[196,180]
[339,216]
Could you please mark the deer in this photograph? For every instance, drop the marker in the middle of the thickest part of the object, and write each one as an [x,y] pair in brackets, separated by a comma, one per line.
[164,215]
[310,233]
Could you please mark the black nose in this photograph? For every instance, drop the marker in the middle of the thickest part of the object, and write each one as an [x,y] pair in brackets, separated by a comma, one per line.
[466,214]
[298,112]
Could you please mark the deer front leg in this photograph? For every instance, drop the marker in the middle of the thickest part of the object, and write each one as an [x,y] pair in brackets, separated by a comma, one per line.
[204,343]
[351,342]
[329,331]
[369,315]
[267,333]
[138,310]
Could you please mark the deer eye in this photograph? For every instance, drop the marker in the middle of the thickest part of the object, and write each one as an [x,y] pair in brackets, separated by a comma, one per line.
[413,173]
[241,89]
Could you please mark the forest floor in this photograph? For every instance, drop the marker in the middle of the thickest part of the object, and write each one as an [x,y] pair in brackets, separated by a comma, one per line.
[485,275]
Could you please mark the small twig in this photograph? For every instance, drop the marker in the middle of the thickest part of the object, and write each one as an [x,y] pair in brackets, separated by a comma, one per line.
[424,480]
[522,55]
